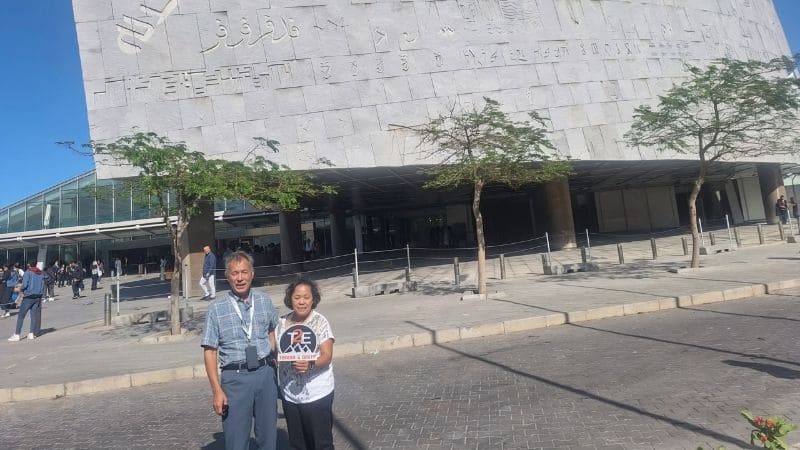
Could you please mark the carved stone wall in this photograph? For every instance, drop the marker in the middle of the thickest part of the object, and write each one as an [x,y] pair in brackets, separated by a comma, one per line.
[330,78]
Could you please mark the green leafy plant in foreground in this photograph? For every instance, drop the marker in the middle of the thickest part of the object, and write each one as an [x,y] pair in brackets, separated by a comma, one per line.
[769,430]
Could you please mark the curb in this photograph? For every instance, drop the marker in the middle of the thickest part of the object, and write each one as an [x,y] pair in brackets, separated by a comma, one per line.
[374,346]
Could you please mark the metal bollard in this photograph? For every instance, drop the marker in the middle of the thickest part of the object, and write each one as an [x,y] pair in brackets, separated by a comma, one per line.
[712,238]
[781,232]
[107,310]
[502,266]
[619,253]
[760,234]
[736,237]
[654,247]
[456,272]
[685,245]
[355,278]
[408,274]
[586,254]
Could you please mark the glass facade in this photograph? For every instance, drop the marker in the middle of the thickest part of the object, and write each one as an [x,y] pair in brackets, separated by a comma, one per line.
[85,200]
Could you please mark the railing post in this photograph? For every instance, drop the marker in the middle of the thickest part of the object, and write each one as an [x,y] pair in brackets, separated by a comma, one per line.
[712,238]
[619,253]
[585,252]
[760,234]
[654,247]
[737,237]
[355,268]
[502,266]
[107,310]
[456,273]
[685,245]
[408,263]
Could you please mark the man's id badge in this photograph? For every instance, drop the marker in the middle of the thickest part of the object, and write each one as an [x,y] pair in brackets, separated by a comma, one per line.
[251,356]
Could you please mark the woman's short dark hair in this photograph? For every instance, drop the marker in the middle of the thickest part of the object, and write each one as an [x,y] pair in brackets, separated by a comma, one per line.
[316,297]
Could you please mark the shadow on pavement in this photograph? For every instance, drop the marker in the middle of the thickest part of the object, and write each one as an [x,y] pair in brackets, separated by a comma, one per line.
[739,314]
[219,441]
[582,392]
[683,344]
[771,369]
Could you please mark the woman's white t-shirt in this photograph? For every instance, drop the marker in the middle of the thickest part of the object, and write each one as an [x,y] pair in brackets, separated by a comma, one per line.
[318,382]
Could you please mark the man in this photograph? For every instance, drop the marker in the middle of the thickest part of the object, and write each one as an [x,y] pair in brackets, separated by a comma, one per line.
[118,267]
[76,275]
[30,299]
[208,280]
[782,210]
[50,281]
[240,338]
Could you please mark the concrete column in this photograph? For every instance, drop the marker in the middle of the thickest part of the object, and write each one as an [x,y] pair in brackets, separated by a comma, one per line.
[338,233]
[291,246]
[199,233]
[358,236]
[559,211]
[771,181]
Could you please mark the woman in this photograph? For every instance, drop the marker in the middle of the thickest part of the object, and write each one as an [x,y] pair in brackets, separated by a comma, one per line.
[307,386]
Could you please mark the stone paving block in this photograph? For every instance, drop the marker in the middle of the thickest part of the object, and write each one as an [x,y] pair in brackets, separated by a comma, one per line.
[776,286]
[98,385]
[556,319]
[421,339]
[199,371]
[736,293]
[667,303]
[349,349]
[707,297]
[604,312]
[386,344]
[487,329]
[446,335]
[684,301]
[576,316]
[161,376]
[44,392]
[641,307]
[528,323]
[5,395]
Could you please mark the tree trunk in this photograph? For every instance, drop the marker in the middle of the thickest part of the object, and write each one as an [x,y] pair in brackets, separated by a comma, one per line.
[698,183]
[476,211]
[177,278]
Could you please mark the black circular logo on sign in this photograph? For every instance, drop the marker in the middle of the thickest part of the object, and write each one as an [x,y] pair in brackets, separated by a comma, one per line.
[298,339]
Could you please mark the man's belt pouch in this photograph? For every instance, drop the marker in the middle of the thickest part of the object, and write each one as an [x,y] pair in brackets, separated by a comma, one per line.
[251,355]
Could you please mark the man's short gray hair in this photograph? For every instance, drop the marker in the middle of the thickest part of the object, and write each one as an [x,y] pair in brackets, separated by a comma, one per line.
[238,256]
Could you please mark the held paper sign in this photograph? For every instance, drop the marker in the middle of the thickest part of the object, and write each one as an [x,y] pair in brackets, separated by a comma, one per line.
[298,343]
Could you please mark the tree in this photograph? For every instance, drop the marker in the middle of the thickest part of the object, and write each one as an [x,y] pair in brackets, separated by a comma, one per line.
[726,111]
[481,147]
[165,167]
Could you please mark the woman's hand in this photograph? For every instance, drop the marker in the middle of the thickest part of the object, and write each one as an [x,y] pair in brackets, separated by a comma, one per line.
[303,367]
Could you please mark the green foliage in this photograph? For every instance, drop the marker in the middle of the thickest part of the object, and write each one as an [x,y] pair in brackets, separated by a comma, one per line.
[727,110]
[165,166]
[769,431]
[486,146]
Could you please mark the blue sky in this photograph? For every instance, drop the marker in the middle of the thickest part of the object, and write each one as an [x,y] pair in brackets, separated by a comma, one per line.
[43,102]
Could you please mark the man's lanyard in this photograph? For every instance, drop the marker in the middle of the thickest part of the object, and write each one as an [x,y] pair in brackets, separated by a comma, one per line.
[248,331]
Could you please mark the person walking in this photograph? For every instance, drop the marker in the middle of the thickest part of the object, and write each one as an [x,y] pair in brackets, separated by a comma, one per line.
[239,339]
[95,275]
[782,210]
[208,280]
[307,385]
[76,275]
[50,281]
[30,299]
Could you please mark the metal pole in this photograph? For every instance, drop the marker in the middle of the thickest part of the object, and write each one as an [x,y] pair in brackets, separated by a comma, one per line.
[702,238]
[455,272]
[355,274]
[117,294]
[760,234]
[408,260]
[502,266]
[730,235]
[107,310]
[547,238]
[713,238]
[619,253]
[584,255]
[654,247]
[737,237]
[588,246]
[685,246]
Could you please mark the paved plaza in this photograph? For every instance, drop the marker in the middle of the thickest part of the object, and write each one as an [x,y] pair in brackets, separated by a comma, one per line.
[667,380]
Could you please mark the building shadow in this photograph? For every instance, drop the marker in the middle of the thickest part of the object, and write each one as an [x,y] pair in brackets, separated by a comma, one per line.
[770,369]
[599,398]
